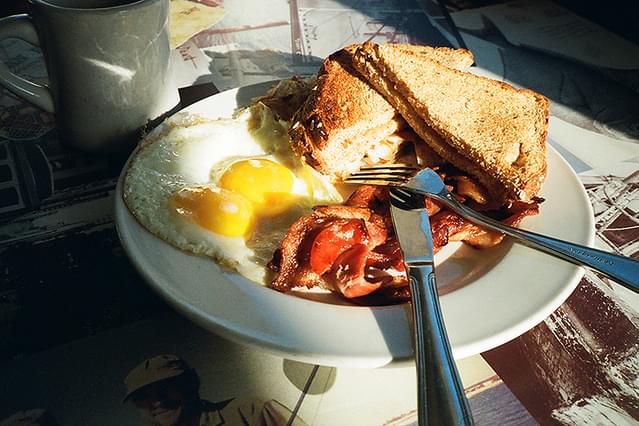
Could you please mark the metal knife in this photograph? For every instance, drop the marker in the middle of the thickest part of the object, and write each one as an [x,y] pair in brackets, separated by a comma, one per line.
[440,395]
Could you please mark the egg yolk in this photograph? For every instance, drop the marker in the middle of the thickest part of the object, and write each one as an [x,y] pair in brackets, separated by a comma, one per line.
[265,183]
[220,211]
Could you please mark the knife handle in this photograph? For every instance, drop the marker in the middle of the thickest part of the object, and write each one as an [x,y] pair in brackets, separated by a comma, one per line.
[441,397]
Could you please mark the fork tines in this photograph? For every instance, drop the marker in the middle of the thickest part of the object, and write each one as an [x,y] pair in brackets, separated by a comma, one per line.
[387,174]
[405,199]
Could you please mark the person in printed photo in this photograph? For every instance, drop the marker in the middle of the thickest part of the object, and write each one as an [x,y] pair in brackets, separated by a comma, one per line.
[166,391]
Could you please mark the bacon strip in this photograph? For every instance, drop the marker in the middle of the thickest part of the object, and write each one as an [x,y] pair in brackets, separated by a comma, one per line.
[348,273]
[352,249]
[291,260]
[322,249]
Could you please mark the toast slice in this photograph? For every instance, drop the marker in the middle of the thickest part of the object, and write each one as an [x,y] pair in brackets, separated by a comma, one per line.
[487,128]
[345,117]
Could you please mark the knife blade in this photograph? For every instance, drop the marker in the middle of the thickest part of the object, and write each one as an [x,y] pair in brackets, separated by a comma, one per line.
[412,229]
[440,394]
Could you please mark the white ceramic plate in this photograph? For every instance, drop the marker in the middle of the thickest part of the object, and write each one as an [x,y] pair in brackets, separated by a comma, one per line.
[491,296]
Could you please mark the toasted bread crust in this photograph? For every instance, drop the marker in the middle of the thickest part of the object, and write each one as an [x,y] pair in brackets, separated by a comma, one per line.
[488,128]
[345,115]
[446,56]
[324,131]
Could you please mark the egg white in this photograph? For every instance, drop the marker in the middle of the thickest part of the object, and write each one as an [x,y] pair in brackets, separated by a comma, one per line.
[187,151]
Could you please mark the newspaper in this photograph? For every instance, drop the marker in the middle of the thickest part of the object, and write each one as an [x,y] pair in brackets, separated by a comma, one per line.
[281,38]
[187,18]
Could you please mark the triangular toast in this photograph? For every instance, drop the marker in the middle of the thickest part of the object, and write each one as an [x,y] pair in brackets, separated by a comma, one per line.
[491,130]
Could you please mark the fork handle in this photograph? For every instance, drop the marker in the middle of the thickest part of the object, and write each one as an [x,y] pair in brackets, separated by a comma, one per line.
[623,270]
[441,397]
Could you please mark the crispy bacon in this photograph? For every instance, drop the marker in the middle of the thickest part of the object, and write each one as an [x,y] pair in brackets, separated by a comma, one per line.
[352,212]
[338,247]
[348,273]
[352,249]
[371,197]
[291,260]
[336,238]
[479,237]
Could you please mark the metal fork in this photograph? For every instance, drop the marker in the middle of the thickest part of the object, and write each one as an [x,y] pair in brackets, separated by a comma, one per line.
[623,270]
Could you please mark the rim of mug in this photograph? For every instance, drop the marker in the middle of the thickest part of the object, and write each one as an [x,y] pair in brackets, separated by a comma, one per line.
[133,3]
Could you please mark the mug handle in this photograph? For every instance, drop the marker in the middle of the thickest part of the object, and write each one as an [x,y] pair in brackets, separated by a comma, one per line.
[21,26]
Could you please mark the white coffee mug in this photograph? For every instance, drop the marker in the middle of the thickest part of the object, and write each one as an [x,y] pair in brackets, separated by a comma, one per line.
[108,63]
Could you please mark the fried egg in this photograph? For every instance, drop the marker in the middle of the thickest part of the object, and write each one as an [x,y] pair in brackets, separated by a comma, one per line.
[228,189]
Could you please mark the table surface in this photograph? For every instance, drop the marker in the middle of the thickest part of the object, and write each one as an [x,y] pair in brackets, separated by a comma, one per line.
[75,317]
